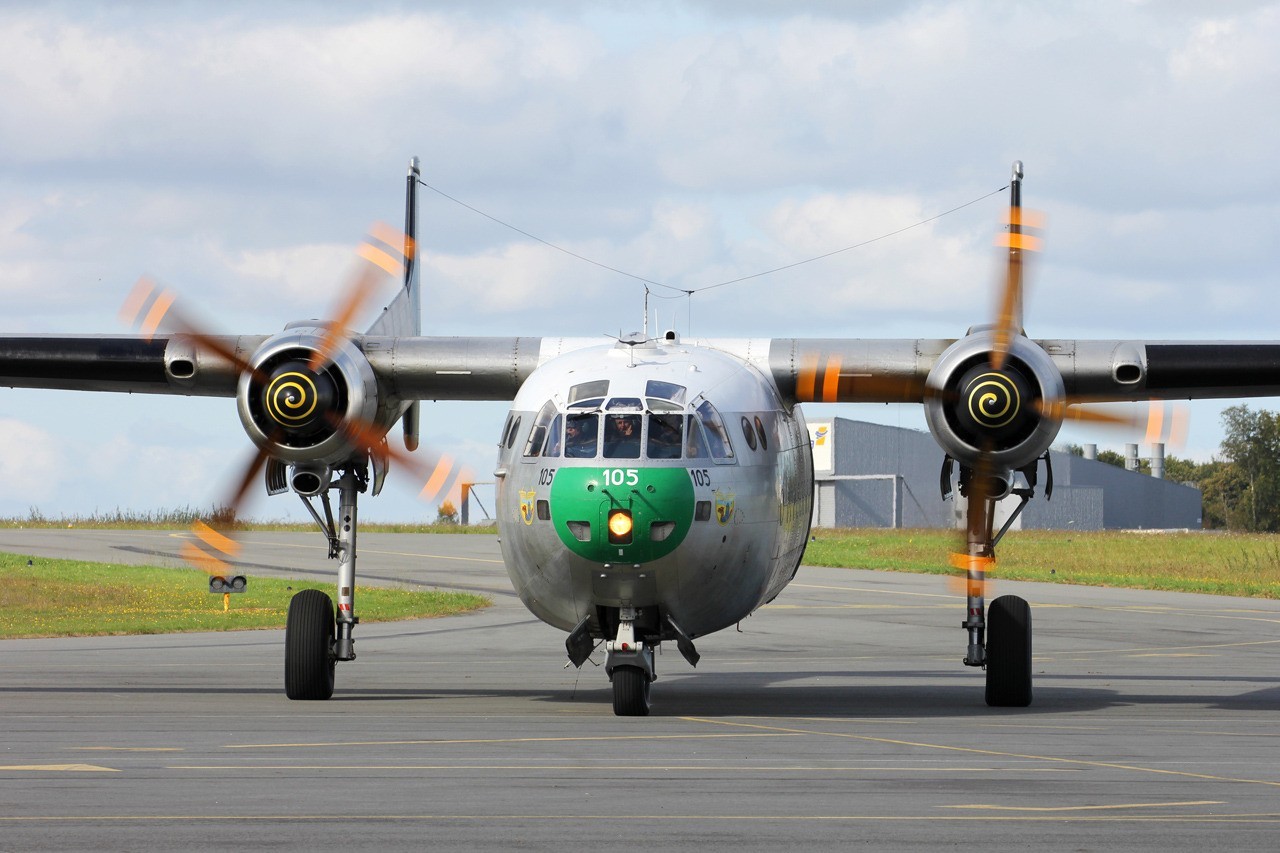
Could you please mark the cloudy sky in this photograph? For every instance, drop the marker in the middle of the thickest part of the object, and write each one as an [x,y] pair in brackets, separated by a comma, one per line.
[239,155]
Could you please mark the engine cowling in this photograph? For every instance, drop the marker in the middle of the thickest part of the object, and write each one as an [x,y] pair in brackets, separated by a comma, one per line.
[295,413]
[1009,415]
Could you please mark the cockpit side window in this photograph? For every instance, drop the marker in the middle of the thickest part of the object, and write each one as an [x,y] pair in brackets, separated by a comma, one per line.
[696,446]
[664,436]
[506,429]
[717,435]
[538,435]
[580,431]
[554,437]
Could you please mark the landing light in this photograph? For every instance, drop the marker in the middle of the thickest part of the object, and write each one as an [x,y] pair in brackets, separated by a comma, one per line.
[620,527]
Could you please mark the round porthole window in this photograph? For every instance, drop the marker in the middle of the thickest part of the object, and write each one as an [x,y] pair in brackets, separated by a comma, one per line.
[748,432]
[764,442]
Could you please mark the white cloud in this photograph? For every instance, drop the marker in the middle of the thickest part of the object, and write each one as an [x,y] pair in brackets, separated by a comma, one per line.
[31,465]
[237,155]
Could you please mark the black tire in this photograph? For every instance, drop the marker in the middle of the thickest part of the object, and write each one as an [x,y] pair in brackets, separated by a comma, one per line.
[1009,653]
[308,646]
[630,692]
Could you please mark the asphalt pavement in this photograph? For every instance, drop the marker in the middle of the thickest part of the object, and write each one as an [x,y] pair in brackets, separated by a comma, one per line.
[839,716]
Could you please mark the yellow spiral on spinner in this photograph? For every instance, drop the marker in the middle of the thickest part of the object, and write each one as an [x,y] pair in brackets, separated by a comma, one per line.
[994,400]
[292,398]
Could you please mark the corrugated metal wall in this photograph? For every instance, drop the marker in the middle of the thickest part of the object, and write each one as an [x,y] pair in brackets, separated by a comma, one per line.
[1088,495]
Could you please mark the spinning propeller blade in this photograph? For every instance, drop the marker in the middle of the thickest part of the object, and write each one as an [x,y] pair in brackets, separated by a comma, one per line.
[381,258]
[215,543]
[1020,237]
[988,476]
[152,309]
[1158,422]
[441,474]
[977,561]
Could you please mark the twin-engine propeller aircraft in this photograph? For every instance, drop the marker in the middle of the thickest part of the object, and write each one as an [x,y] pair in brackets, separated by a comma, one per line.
[649,490]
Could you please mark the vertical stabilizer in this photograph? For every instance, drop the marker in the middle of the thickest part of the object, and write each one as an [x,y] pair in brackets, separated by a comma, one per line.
[403,317]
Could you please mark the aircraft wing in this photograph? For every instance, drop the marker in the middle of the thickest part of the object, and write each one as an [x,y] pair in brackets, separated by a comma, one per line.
[493,368]
[134,365]
[896,371]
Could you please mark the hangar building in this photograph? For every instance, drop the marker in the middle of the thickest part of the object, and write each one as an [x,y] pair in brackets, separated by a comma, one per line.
[869,475]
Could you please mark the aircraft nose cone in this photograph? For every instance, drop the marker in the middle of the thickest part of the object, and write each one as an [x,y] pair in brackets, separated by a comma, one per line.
[635,515]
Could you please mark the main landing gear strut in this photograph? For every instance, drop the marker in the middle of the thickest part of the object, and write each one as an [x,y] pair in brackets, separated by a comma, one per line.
[999,637]
[314,641]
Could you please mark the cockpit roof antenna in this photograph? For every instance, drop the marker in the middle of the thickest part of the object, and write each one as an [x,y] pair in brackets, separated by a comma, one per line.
[646,312]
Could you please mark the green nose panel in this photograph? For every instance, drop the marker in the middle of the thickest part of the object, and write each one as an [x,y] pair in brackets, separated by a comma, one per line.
[660,501]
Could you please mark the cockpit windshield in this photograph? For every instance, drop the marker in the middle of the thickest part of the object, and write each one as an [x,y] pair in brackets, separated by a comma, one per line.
[580,431]
[657,426]
[664,436]
[622,436]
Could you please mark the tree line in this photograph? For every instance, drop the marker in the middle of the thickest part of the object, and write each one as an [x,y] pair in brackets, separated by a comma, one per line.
[1241,484]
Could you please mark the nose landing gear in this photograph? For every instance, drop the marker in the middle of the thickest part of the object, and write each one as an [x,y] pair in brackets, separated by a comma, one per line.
[629,666]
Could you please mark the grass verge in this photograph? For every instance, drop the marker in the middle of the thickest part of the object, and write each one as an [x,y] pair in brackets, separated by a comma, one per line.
[181,519]
[1220,564]
[60,598]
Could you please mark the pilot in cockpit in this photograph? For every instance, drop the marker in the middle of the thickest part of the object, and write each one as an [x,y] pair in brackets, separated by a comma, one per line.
[580,436]
[622,437]
[664,436]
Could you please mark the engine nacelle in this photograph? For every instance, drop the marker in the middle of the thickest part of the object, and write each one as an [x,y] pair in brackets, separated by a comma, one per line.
[1012,414]
[293,412]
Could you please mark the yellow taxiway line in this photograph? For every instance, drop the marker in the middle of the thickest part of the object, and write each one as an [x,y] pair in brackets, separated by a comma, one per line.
[1079,762]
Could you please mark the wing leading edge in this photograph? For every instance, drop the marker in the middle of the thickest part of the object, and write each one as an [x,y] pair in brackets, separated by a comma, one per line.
[844,370]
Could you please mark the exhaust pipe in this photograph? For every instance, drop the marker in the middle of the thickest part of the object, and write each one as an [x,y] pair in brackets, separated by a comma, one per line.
[310,480]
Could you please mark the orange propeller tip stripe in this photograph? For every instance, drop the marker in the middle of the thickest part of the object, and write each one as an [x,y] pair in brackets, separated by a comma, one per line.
[384,250]
[1167,424]
[395,248]
[148,300]
[807,380]
[964,562]
[1016,240]
[960,581]
[216,540]
[960,585]
[438,478]
[1024,216]
[380,258]
[387,234]
[137,297]
[205,562]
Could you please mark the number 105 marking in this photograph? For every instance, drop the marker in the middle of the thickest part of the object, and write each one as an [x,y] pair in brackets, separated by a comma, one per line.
[621,477]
